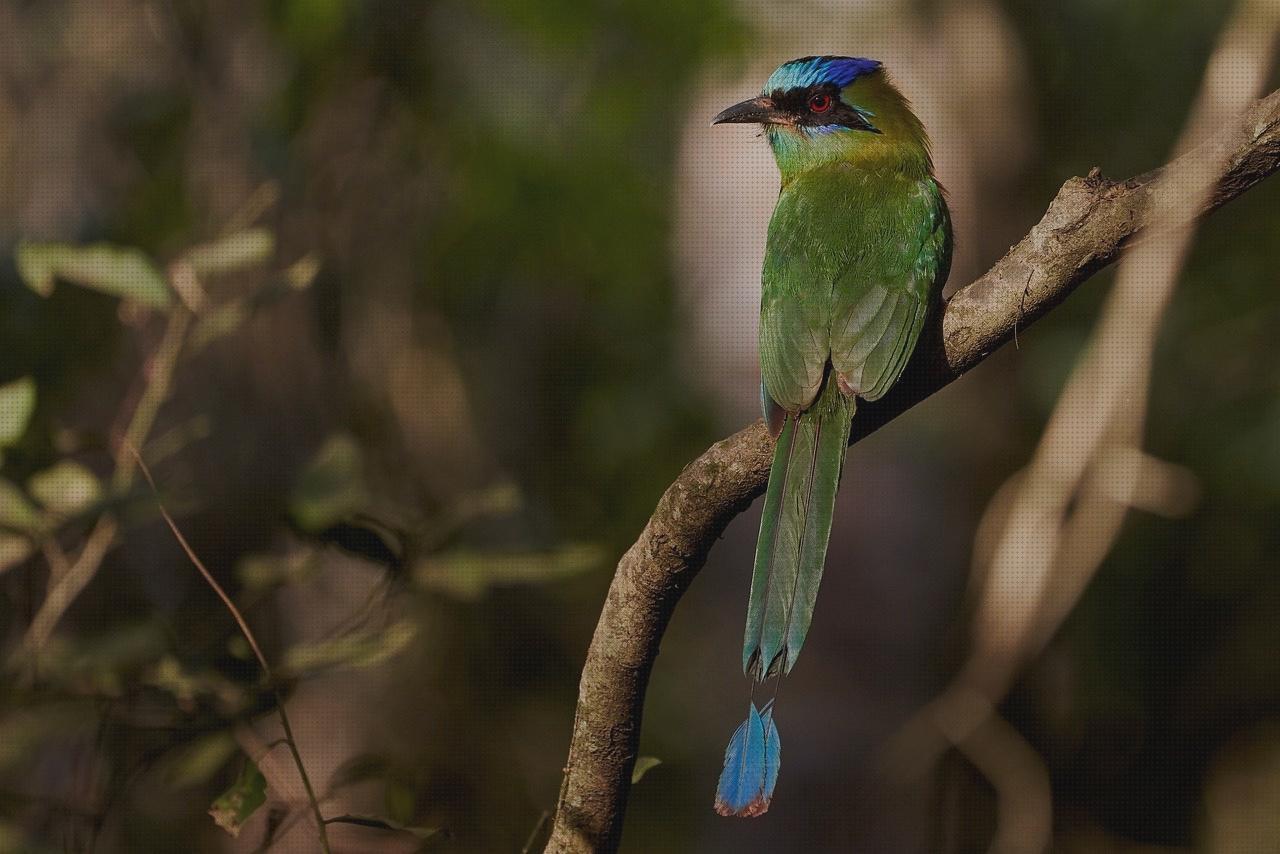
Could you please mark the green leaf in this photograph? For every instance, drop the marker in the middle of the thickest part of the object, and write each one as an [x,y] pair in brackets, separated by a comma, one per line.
[14,549]
[216,323]
[232,253]
[65,488]
[234,806]
[199,761]
[497,500]
[422,834]
[399,800]
[398,795]
[332,486]
[106,662]
[359,769]
[302,273]
[115,270]
[313,27]
[358,649]
[16,512]
[468,574]
[25,731]
[643,766]
[239,648]
[260,571]
[189,688]
[17,403]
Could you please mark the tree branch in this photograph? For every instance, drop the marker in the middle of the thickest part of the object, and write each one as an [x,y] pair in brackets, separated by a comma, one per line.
[1085,228]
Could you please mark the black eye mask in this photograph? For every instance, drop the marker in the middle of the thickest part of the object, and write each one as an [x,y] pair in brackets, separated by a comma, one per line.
[797,103]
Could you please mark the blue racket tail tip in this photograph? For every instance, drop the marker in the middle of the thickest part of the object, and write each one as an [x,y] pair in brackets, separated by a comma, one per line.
[750,766]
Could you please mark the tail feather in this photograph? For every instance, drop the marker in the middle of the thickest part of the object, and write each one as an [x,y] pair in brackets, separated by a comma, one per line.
[767,543]
[790,553]
[794,529]
[750,766]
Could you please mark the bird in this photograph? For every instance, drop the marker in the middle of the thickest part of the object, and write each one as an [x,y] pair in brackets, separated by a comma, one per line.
[858,249]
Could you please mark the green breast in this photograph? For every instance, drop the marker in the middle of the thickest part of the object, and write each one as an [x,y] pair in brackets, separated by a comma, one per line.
[855,259]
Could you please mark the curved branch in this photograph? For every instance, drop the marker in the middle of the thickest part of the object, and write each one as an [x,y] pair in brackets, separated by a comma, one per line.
[1085,228]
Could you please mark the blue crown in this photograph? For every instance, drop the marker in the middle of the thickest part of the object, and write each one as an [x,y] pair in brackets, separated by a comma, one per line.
[812,70]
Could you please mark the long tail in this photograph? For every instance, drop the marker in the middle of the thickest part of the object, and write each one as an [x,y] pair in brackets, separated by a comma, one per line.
[794,530]
[790,554]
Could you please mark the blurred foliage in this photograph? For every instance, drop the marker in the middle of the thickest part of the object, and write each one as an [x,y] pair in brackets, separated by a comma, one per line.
[281,178]
[435,379]
[233,807]
[331,487]
[17,401]
[469,574]
[644,764]
[111,269]
[357,649]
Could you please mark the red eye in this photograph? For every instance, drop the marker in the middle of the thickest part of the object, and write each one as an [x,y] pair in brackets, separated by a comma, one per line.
[820,103]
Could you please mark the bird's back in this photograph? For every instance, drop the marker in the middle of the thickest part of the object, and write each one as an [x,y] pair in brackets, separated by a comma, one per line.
[854,255]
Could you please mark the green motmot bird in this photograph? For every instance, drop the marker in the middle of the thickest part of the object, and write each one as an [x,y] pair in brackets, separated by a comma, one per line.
[859,247]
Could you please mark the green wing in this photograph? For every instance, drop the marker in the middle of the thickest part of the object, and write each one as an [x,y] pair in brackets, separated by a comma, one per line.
[795,305]
[880,302]
[854,261]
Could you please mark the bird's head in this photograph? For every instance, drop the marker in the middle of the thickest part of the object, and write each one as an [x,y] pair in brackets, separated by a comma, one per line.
[820,109]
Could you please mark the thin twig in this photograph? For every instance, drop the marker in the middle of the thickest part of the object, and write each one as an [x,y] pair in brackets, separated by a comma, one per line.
[159,371]
[64,589]
[289,740]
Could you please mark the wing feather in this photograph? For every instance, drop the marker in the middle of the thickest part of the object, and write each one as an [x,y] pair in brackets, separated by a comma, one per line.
[854,263]
[909,265]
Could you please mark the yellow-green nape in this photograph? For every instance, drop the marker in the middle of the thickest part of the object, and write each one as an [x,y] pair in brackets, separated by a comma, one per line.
[876,96]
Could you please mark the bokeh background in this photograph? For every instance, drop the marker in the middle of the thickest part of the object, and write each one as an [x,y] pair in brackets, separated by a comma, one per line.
[463,285]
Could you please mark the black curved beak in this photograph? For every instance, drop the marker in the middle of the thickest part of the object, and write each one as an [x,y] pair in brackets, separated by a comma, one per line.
[759,110]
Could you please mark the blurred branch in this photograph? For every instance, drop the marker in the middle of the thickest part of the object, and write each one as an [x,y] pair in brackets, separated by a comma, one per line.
[243,625]
[1024,813]
[1068,506]
[67,582]
[116,270]
[1085,228]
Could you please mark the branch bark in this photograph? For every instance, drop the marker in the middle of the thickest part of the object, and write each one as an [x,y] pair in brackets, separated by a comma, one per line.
[1087,225]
